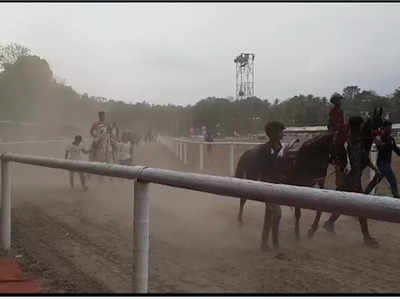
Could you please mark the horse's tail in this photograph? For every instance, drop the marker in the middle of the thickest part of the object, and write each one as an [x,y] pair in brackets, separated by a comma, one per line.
[241,167]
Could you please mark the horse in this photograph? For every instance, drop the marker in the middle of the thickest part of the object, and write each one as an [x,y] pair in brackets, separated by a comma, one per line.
[305,167]
[308,166]
[102,149]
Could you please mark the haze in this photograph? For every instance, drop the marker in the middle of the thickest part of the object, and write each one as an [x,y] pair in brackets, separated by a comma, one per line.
[182,52]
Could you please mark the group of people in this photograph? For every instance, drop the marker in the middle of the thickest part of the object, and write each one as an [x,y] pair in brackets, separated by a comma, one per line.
[384,142]
[358,157]
[120,146]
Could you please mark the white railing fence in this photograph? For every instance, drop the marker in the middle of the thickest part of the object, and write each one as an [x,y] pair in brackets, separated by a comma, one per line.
[379,208]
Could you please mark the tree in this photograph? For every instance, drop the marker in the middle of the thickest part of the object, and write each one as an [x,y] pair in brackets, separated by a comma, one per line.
[351,92]
[9,54]
[396,93]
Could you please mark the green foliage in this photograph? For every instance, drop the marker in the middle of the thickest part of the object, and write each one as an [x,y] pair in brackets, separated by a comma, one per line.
[29,92]
[10,53]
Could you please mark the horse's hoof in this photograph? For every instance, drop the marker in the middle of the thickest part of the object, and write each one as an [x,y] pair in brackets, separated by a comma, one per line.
[371,242]
[310,233]
[280,256]
[328,226]
[264,248]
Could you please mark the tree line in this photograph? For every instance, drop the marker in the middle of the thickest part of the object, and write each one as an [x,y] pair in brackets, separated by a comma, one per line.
[30,92]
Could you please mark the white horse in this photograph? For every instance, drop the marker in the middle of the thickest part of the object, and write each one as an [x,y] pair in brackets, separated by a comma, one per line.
[102,149]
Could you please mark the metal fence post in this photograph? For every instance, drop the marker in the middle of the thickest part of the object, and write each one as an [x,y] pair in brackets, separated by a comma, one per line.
[5,205]
[231,159]
[201,157]
[371,172]
[185,146]
[141,237]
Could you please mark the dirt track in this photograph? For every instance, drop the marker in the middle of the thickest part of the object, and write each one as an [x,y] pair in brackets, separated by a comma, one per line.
[82,242]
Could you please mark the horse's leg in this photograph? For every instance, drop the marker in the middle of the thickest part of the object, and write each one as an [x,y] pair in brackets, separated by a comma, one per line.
[276,218]
[242,202]
[314,226]
[297,213]
[100,157]
[266,227]
[373,183]
[318,214]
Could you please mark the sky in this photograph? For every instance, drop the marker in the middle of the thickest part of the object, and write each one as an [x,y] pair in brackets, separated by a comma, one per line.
[180,53]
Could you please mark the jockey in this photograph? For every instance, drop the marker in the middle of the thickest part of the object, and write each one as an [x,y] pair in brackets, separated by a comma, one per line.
[98,129]
[340,129]
[336,115]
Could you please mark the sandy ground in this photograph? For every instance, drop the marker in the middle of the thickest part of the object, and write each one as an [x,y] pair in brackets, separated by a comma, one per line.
[82,242]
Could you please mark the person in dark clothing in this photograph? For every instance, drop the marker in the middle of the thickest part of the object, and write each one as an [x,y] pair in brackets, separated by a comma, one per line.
[337,126]
[336,115]
[209,139]
[359,160]
[269,172]
[386,145]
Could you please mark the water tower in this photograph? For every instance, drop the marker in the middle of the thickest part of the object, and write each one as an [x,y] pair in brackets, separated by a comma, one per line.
[244,75]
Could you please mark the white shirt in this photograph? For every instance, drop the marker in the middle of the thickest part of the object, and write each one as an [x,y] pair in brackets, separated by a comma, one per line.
[74,152]
[124,150]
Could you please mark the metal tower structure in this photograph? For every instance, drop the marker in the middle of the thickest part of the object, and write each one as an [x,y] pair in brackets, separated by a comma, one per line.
[244,75]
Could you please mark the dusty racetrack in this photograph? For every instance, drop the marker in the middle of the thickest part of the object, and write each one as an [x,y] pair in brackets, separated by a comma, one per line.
[82,242]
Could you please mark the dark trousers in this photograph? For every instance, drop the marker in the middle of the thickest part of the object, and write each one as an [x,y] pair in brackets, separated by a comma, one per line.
[352,183]
[386,171]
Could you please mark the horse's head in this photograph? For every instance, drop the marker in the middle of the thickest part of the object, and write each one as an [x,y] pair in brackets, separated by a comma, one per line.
[370,126]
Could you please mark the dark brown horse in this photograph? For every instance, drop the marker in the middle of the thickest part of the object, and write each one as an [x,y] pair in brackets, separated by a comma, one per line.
[305,167]
[308,166]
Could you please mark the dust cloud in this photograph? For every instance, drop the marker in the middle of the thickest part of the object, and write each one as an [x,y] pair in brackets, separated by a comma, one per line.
[196,242]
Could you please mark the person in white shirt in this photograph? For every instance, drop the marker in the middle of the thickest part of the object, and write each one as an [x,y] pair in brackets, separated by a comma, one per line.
[73,152]
[125,151]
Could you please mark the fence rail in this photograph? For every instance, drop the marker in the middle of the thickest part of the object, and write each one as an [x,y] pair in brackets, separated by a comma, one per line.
[179,147]
[379,208]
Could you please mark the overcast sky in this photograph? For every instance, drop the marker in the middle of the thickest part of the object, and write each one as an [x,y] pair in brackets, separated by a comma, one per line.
[182,52]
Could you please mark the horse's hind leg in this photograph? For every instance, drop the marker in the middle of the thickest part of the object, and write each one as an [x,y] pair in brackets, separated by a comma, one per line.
[297,213]
[240,216]
[314,225]
[276,218]
[266,227]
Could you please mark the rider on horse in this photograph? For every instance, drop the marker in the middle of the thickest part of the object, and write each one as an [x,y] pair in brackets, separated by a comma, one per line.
[98,131]
[115,138]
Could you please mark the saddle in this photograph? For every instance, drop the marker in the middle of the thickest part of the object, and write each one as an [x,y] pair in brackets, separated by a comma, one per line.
[286,160]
